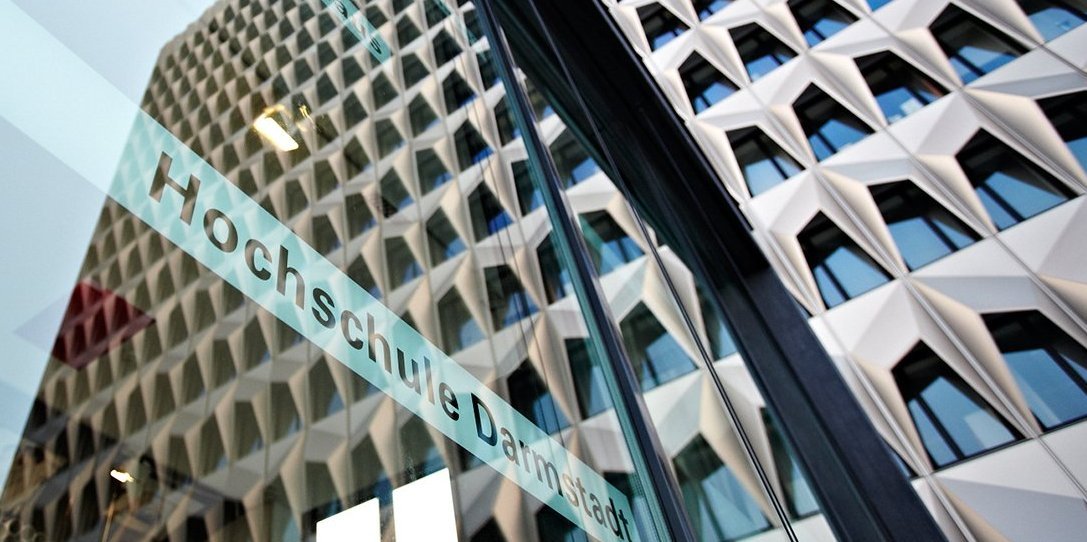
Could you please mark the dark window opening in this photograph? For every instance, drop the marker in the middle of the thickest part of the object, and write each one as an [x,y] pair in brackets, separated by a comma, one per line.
[704,83]
[760,51]
[830,127]
[661,26]
[922,228]
[899,88]
[820,19]
[764,163]
[841,268]
[973,47]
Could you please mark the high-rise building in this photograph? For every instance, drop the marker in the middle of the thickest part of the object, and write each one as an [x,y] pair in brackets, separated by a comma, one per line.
[913,171]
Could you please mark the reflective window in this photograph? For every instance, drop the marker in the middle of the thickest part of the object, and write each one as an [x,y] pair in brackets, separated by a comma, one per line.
[760,51]
[445,48]
[876,4]
[721,343]
[550,525]
[388,137]
[589,384]
[661,26]
[922,228]
[507,297]
[532,398]
[899,88]
[456,92]
[609,246]
[705,8]
[556,277]
[419,455]
[655,355]
[421,115]
[359,271]
[1011,187]
[414,69]
[459,329]
[763,163]
[432,172]
[830,127]
[954,422]
[705,84]
[403,267]
[443,239]
[572,163]
[820,19]
[1067,112]
[528,196]
[842,269]
[1049,366]
[717,503]
[406,31]
[507,130]
[471,147]
[974,47]
[799,497]
[488,216]
[394,196]
[1053,18]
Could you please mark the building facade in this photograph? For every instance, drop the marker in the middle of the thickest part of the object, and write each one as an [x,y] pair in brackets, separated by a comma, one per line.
[913,171]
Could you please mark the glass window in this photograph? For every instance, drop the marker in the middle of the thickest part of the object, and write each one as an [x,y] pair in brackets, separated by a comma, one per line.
[394,196]
[406,32]
[899,88]
[488,216]
[799,497]
[383,91]
[1053,18]
[954,422]
[589,384]
[419,455]
[532,398]
[402,265]
[876,4]
[456,92]
[717,503]
[655,355]
[974,47]
[360,273]
[705,85]
[552,526]
[820,19]
[760,51]
[471,147]
[432,172]
[830,127]
[556,277]
[1049,366]
[572,162]
[414,69]
[842,270]
[421,115]
[705,8]
[459,329]
[922,228]
[721,343]
[388,138]
[507,297]
[528,195]
[443,239]
[661,26]
[764,164]
[359,217]
[609,246]
[540,106]
[1067,112]
[445,49]
[507,129]
[353,111]
[1011,187]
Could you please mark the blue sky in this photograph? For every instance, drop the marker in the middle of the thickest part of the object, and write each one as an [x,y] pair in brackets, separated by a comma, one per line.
[48,212]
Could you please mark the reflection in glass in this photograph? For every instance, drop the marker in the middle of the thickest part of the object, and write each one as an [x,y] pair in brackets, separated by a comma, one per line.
[459,328]
[953,420]
[830,127]
[654,354]
[842,270]
[592,395]
[760,50]
[1067,112]
[923,229]
[1011,187]
[609,245]
[507,297]
[973,47]
[532,397]
[1049,366]
[820,19]
[899,88]
[764,163]
[1053,18]
[705,84]
[717,503]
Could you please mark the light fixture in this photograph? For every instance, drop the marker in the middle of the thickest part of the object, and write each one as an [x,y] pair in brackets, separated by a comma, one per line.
[270,125]
[121,476]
